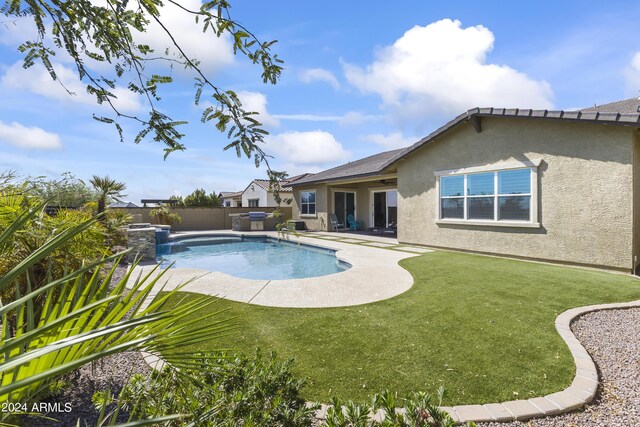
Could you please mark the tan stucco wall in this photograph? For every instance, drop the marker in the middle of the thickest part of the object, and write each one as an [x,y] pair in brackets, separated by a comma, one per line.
[585,193]
[203,218]
[319,221]
[636,199]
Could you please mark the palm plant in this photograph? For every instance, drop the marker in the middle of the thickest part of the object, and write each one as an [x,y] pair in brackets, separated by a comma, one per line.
[107,189]
[83,318]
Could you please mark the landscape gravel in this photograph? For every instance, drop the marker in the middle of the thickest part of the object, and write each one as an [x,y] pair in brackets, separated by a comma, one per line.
[110,373]
[612,338]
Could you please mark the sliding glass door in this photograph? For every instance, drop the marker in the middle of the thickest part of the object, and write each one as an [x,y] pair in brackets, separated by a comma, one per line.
[385,208]
[344,204]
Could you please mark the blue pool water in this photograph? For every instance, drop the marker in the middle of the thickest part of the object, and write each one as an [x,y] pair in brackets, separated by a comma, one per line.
[250,258]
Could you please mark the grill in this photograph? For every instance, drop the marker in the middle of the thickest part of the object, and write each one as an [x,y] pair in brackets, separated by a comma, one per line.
[257,216]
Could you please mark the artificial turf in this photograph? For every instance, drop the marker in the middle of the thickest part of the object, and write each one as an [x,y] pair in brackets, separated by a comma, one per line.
[482,327]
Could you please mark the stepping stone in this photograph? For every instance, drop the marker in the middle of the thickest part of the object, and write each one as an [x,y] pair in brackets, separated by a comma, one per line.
[352,241]
[380,245]
[413,249]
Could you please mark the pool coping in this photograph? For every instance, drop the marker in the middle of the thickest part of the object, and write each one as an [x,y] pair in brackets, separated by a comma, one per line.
[374,276]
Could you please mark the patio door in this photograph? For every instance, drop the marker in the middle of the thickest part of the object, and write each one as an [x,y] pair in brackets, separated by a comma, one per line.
[385,208]
[344,203]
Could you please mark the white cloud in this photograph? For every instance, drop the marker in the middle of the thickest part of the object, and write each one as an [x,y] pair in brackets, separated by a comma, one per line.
[354,118]
[351,118]
[15,31]
[390,141]
[319,74]
[29,137]
[36,79]
[441,68]
[306,148]
[632,74]
[257,102]
[213,52]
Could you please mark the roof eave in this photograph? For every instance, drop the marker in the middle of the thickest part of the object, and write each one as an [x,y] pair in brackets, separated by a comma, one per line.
[617,119]
[340,178]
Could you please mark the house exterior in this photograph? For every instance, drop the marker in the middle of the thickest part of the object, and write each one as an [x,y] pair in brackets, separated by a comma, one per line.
[360,188]
[560,186]
[230,199]
[260,194]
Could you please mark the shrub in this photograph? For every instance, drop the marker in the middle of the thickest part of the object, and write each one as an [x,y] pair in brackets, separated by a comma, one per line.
[81,248]
[257,391]
[163,215]
[78,316]
[420,410]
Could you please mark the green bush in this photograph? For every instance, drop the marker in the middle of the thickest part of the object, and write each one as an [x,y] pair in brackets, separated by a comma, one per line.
[419,410]
[85,247]
[257,391]
[80,316]
[163,215]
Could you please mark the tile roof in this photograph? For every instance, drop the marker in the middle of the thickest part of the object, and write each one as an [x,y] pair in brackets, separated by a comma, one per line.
[229,194]
[285,184]
[371,165]
[626,106]
[623,113]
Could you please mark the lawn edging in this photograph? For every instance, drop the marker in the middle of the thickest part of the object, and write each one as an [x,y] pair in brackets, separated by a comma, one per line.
[581,391]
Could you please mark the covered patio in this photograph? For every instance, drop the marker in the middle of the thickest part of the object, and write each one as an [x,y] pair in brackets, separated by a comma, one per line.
[362,196]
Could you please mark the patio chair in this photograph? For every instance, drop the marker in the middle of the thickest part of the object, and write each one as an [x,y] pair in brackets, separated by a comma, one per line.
[391,229]
[354,224]
[335,224]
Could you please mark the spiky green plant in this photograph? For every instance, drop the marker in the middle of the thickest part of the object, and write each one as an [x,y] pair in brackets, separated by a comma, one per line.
[107,188]
[83,318]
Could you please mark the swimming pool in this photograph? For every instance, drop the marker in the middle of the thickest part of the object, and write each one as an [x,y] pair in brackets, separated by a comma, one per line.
[251,257]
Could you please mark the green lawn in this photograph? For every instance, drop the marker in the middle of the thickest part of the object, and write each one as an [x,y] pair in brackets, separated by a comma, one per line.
[483,327]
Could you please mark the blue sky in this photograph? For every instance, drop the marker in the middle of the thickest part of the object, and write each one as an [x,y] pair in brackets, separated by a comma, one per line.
[360,78]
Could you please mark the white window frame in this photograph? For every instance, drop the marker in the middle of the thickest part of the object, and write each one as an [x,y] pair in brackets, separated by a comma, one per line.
[257,200]
[315,204]
[374,190]
[533,221]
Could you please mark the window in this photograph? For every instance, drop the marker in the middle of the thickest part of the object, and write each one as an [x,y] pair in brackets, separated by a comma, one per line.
[308,202]
[227,204]
[254,203]
[496,196]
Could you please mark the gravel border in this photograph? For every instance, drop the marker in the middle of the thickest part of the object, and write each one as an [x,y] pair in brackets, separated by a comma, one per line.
[611,338]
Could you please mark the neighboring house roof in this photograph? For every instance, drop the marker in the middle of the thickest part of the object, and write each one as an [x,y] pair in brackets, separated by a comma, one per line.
[475,114]
[264,183]
[229,194]
[371,165]
[626,106]
[123,205]
[285,184]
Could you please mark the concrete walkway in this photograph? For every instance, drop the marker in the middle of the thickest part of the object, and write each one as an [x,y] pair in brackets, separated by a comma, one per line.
[375,275]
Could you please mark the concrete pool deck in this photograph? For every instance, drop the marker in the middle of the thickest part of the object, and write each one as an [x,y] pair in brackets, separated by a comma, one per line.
[374,276]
